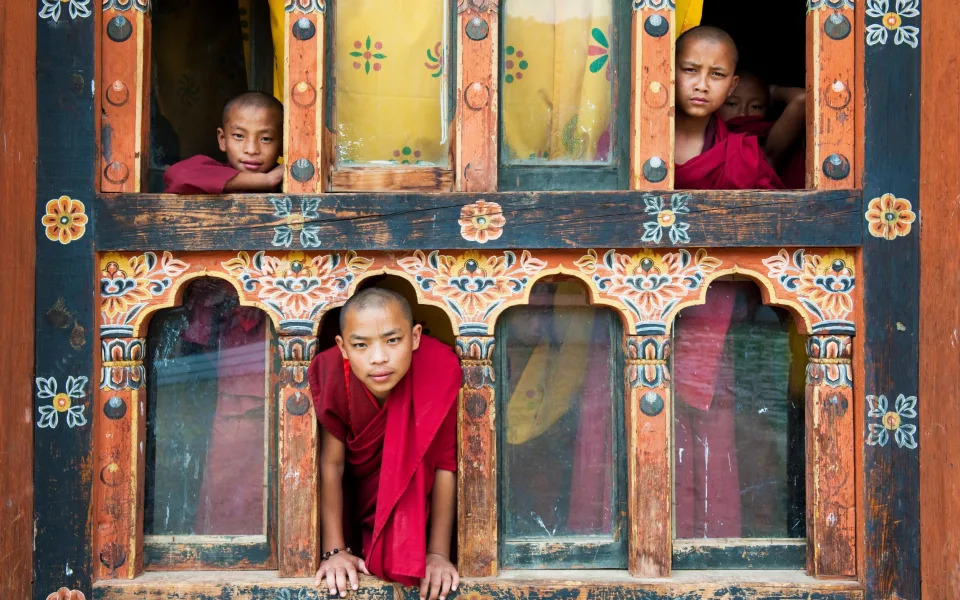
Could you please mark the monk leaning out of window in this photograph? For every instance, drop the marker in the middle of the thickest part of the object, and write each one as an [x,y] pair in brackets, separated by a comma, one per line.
[386,399]
[708,156]
[251,135]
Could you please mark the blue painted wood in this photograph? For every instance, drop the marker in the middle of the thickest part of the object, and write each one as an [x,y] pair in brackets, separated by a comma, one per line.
[375,221]
[891,276]
[64,301]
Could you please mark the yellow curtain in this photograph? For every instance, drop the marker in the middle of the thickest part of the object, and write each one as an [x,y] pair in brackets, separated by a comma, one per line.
[552,379]
[689,13]
[556,80]
[278,35]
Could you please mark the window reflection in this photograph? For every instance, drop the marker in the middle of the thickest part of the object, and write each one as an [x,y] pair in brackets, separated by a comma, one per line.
[391,70]
[738,418]
[206,452]
[556,81]
[560,428]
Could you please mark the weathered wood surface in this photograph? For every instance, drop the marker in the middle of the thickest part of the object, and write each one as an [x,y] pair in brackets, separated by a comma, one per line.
[65,349]
[532,220]
[400,179]
[649,410]
[739,554]
[517,585]
[164,556]
[891,276]
[652,106]
[939,310]
[478,98]
[477,545]
[831,499]
[18,185]
[303,99]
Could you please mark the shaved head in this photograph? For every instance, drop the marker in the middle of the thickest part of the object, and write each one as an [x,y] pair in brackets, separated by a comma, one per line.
[707,33]
[375,298]
[258,100]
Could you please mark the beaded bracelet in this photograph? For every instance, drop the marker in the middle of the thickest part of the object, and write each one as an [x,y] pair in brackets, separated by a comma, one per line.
[327,555]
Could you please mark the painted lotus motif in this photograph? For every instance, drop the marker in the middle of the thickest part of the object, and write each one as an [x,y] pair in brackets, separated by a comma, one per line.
[127,283]
[889,217]
[648,283]
[65,220]
[823,284]
[473,285]
[296,286]
[66,594]
[481,221]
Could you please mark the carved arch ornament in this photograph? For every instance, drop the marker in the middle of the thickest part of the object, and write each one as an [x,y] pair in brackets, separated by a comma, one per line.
[648,287]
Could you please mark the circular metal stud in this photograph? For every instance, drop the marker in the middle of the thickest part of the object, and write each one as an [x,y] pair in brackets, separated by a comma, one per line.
[302,170]
[837,26]
[115,408]
[304,29]
[476,96]
[112,555]
[298,404]
[651,404]
[111,475]
[836,166]
[116,172]
[477,29]
[656,26]
[655,170]
[119,29]
[118,93]
[304,94]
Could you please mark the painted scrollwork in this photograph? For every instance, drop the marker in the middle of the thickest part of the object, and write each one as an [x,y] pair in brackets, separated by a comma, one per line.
[822,284]
[128,284]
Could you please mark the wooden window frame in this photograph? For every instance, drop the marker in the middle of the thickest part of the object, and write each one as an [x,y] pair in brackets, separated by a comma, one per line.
[586,176]
[574,551]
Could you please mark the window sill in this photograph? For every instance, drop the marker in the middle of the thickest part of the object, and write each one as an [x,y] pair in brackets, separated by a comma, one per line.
[267,585]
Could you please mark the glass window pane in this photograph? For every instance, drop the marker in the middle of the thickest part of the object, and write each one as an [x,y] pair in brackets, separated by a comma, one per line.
[556,82]
[738,373]
[207,452]
[559,435]
[391,93]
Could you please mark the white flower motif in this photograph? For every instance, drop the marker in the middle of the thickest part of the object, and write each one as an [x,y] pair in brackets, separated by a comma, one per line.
[892,420]
[76,8]
[892,20]
[309,233]
[62,402]
[666,218]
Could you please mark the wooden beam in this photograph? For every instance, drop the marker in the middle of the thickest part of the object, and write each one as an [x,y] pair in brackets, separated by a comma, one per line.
[530,220]
[304,98]
[652,108]
[478,71]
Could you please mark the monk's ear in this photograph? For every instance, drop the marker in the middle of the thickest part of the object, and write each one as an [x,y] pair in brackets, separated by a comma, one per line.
[415,335]
[222,139]
[734,82]
[342,345]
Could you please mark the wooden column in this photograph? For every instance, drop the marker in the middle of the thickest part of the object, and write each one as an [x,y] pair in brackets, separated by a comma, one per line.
[831,506]
[124,89]
[477,481]
[830,96]
[651,113]
[119,424]
[303,100]
[649,409]
[477,66]
[299,532]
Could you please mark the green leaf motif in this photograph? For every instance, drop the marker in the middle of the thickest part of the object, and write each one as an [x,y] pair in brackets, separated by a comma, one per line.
[368,42]
[356,53]
[366,67]
[596,65]
[600,37]
[379,56]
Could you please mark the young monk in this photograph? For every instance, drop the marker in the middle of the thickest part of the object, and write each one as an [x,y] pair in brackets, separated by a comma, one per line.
[745,111]
[707,155]
[251,137]
[386,397]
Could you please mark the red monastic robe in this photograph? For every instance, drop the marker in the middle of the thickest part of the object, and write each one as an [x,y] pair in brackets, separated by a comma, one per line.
[729,161]
[389,491]
[198,175]
[794,172]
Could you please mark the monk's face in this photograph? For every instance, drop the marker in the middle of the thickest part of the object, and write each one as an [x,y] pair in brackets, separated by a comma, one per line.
[705,76]
[251,138]
[379,342]
[749,99]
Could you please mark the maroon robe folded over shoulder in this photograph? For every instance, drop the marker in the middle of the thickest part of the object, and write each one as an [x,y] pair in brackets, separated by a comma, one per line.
[729,161]
[198,175]
[392,452]
[794,172]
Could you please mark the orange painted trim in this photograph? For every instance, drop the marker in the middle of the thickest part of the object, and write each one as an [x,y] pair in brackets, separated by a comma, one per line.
[476,119]
[652,108]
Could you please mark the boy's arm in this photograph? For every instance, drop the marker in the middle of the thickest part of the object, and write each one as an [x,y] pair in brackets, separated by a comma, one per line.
[342,566]
[441,577]
[786,131]
[255,182]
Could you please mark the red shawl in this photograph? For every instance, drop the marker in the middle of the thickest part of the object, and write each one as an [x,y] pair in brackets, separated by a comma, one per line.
[416,426]
[729,161]
[198,175]
[794,172]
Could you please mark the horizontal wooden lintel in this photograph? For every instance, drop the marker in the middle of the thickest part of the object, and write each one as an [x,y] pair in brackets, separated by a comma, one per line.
[534,220]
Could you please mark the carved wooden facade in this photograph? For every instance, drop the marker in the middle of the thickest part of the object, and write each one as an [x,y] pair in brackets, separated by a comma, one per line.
[827,255]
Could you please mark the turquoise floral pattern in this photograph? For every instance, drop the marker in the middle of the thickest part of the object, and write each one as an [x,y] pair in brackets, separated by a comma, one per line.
[904,434]
[666,218]
[601,50]
[370,53]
